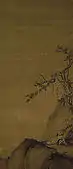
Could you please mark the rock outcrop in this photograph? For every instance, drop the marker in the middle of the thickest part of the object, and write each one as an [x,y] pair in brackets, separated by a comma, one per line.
[33,154]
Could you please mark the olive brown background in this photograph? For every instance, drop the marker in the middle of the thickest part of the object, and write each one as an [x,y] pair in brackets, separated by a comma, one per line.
[29,33]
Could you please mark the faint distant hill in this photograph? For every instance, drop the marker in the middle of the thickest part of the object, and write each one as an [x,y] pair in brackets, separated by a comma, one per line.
[57,121]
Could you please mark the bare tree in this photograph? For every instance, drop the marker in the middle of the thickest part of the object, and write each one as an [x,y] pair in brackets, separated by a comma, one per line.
[61,77]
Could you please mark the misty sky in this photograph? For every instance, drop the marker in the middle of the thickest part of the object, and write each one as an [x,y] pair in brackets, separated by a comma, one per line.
[29,33]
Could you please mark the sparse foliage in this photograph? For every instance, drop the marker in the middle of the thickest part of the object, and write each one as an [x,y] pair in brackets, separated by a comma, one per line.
[62,77]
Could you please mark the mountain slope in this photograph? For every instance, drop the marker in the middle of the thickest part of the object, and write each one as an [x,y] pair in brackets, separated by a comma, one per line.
[59,122]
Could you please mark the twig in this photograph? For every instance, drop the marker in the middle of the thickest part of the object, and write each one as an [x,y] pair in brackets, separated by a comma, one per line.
[61,77]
